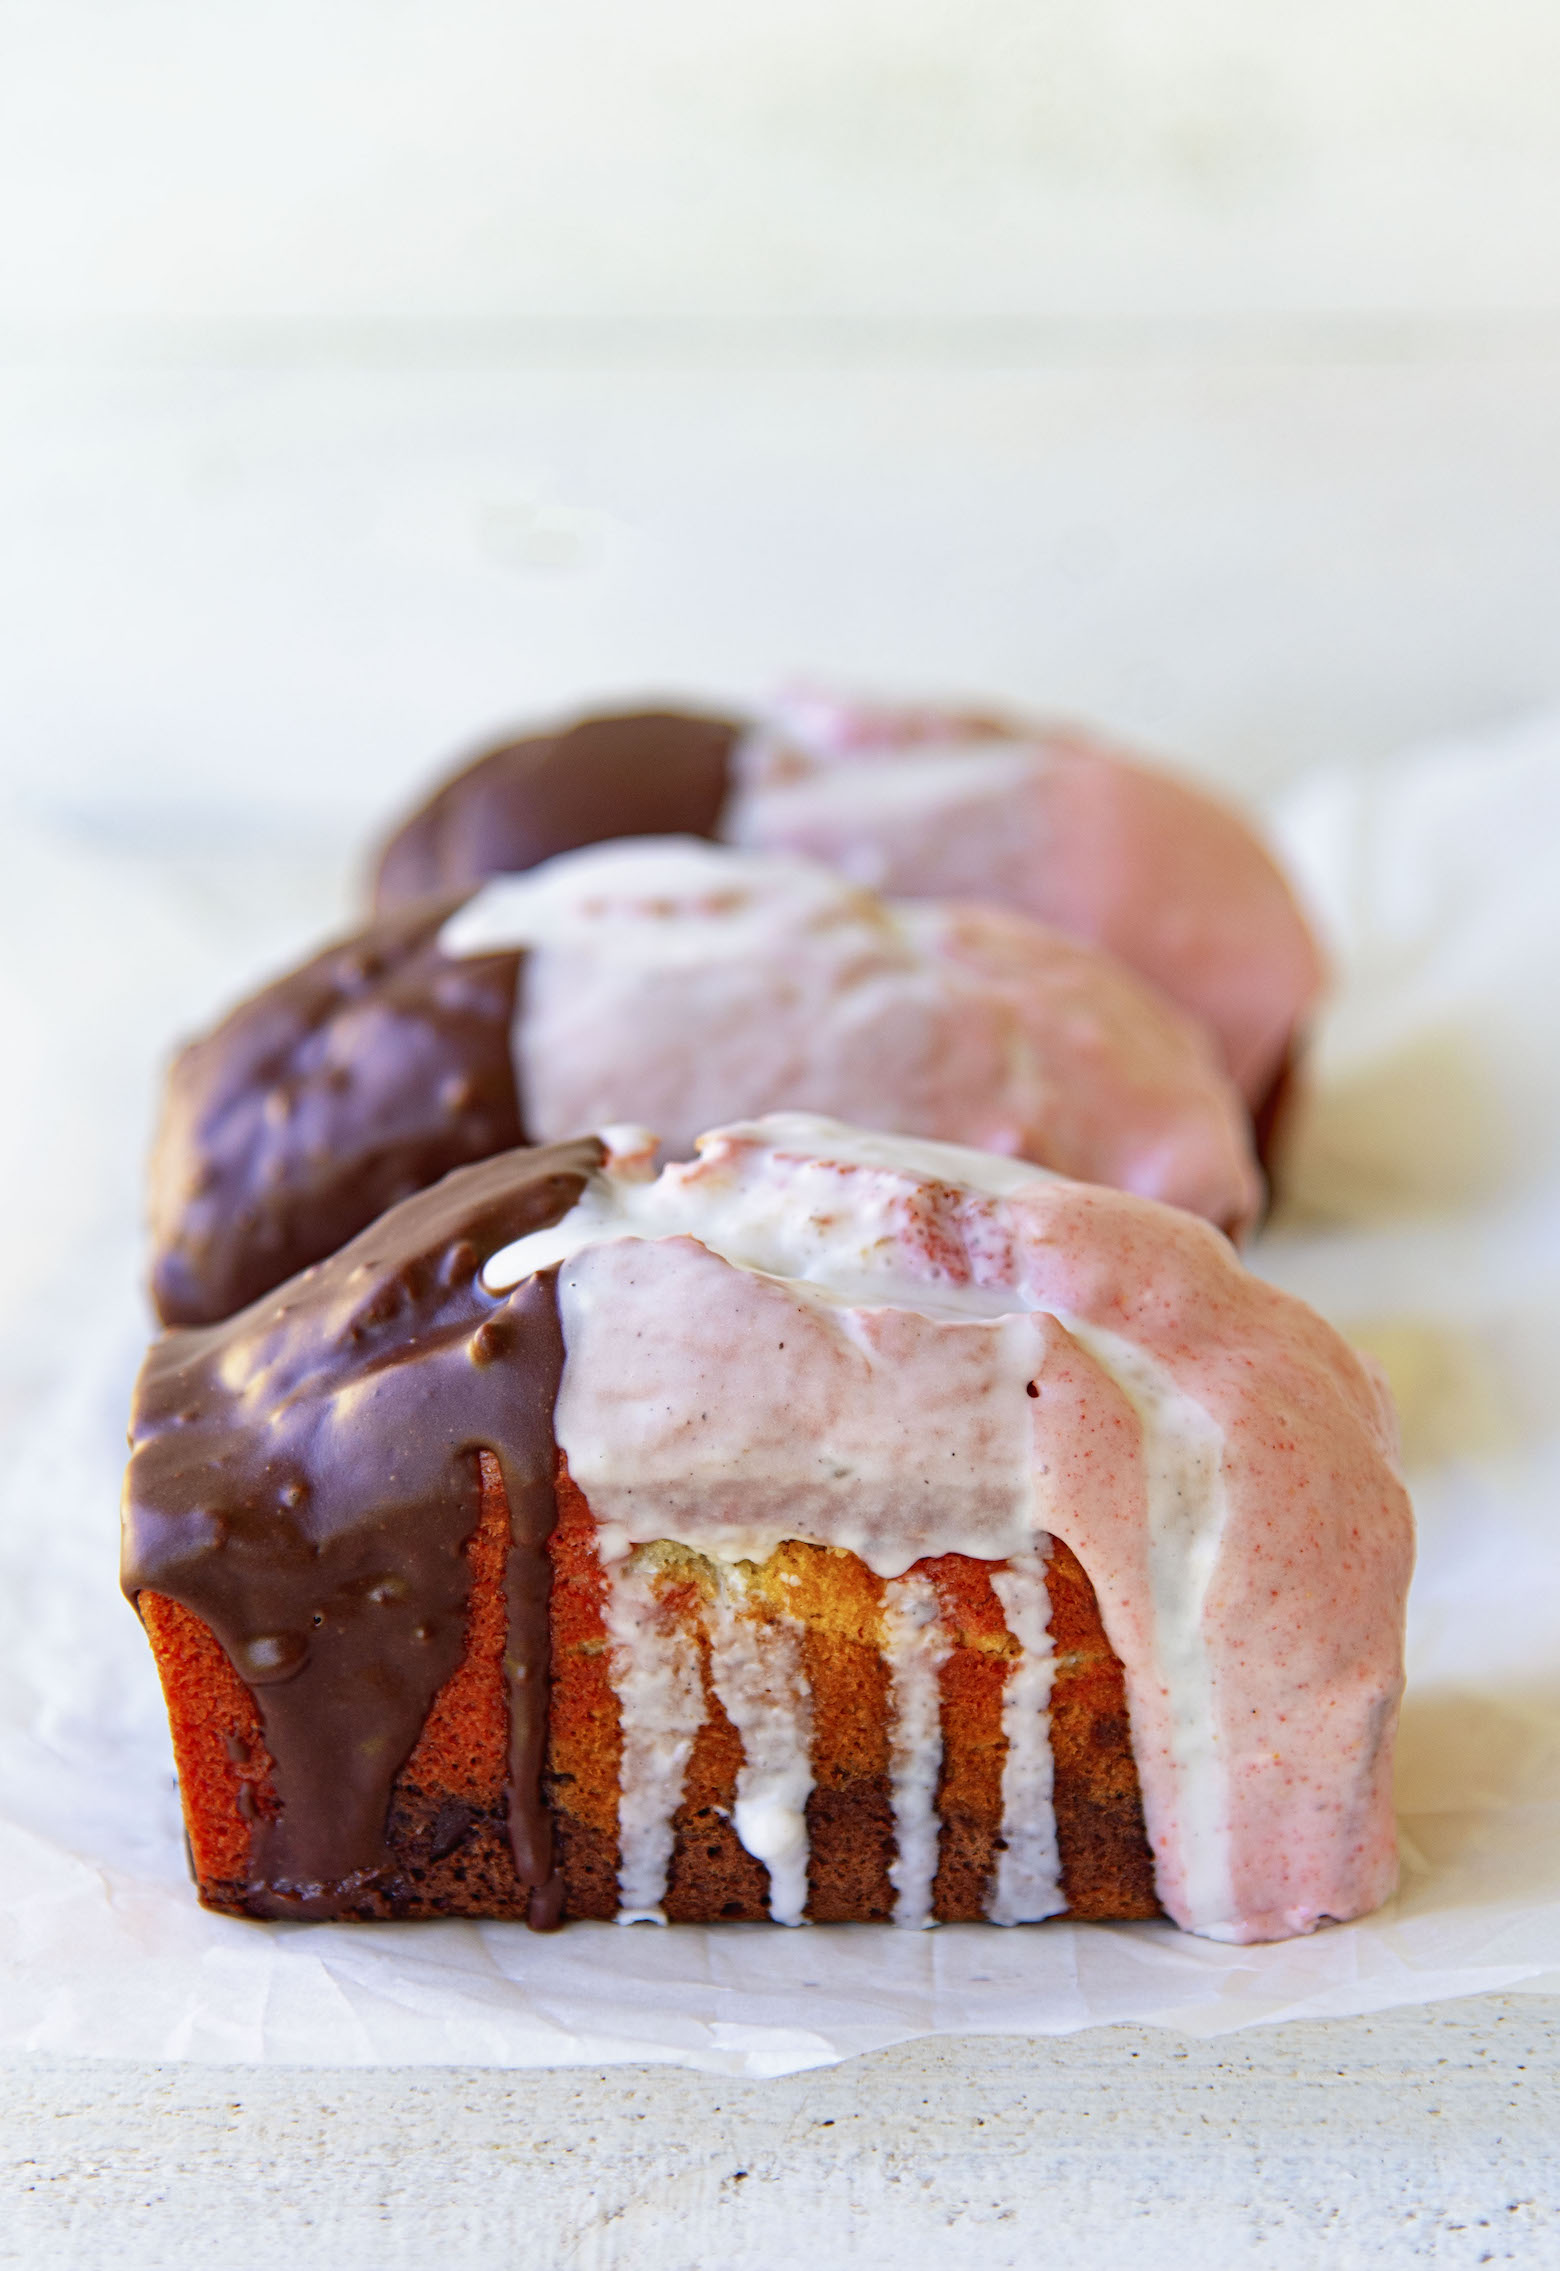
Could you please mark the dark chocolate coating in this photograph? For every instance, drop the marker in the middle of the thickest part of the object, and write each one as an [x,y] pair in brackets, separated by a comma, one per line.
[646,773]
[304,1480]
[341,1088]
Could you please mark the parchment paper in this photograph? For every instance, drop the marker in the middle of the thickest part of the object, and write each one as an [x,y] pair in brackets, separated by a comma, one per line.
[1425,1219]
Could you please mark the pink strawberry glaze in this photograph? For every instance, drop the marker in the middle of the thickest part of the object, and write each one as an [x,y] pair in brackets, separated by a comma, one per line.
[1054,822]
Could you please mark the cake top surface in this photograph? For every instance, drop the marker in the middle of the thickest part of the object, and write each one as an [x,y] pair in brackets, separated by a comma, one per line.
[938,801]
[686,984]
[855,1215]
[676,899]
[681,984]
[929,800]
[629,773]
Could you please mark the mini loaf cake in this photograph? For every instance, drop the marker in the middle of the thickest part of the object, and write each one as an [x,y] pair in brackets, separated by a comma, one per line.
[836,1527]
[676,984]
[920,803]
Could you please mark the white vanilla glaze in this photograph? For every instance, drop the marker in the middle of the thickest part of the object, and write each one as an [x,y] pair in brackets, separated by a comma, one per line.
[1026,1885]
[915,1645]
[680,984]
[756,1670]
[906,1349]
[654,1668]
[939,803]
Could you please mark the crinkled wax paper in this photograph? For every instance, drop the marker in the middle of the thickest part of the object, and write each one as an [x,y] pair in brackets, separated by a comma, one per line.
[1424,1218]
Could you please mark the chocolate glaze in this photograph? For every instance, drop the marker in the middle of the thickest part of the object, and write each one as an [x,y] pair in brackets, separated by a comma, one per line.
[645,773]
[343,1087]
[304,1479]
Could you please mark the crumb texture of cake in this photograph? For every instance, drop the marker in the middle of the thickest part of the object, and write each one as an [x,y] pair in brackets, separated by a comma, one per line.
[834,1526]
[679,985]
[923,801]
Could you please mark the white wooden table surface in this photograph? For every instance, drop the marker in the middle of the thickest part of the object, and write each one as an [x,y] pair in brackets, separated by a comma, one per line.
[1415,2137]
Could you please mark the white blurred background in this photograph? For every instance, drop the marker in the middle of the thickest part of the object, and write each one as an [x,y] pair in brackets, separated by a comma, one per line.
[376,371]
[404,162]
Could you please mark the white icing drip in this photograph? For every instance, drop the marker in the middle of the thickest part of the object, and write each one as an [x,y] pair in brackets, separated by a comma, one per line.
[654,1666]
[915,1644]
[1027,1884]
[756,1670]
[1183,1455]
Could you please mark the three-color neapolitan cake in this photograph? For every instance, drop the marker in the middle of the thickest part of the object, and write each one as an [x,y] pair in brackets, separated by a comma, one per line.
[679,984]
[834,1526]
[922,801]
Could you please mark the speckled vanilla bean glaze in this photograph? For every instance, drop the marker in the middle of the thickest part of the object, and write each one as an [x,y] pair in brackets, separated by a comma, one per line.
[938,803]
[983,1356]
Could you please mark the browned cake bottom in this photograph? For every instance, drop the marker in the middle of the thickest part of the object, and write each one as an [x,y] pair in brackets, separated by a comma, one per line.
[447,1832]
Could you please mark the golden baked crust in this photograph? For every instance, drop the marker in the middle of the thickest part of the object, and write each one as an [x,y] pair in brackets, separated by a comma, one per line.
[447,1827]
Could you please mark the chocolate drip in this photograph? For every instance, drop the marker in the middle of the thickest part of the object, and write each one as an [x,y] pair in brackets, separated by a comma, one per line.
[304,1479]
[650,773]
[342,1088]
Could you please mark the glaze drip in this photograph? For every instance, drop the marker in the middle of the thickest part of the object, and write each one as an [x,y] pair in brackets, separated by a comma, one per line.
[655,1676]
[1027,1885]
[756,1670]
[915,1646]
